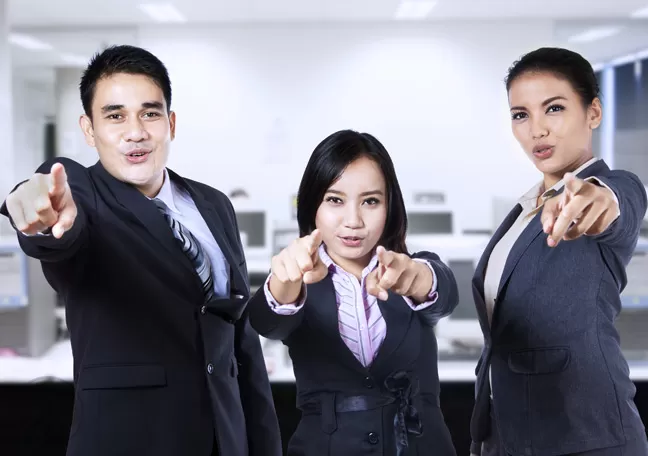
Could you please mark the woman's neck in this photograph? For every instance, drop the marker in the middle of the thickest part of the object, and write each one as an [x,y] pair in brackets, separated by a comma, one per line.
[353,266]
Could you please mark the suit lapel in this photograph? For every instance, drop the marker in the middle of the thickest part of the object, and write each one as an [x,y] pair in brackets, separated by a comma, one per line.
[480,270]
[532,230]
[398,318]
[530,233]
[238,283]
[144,211]
[322,308]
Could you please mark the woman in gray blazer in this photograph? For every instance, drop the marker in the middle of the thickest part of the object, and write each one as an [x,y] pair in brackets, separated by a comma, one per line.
[552,379]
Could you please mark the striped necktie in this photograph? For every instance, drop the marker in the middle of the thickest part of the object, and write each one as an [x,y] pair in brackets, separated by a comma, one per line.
[192,248]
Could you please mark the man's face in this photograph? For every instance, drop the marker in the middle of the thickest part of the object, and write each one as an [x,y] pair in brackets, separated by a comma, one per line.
[131,130]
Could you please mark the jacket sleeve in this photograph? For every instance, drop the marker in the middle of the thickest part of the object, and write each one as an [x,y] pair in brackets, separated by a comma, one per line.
[631,194]
[448,293]
[270,324]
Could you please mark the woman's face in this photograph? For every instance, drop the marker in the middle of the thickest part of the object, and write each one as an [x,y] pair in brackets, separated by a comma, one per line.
[352,215]
[551,123]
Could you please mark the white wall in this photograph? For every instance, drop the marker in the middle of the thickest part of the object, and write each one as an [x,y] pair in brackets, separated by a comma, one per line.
[34,106]
[253,102]
[6,120]
[70,141]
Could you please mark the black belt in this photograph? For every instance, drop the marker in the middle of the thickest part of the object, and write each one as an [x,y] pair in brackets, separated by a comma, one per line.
[399,385]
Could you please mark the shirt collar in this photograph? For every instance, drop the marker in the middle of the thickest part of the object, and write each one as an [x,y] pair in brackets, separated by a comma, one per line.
[534,192]
[166,193]
[330,264]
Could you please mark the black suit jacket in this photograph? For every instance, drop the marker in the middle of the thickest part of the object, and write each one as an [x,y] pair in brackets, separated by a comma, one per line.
[560,382]
[156,371]
[349,409]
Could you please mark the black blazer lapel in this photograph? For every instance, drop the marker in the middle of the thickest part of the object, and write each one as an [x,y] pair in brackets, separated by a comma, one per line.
[398,319]
[144,211]
[238,283]
[322,308]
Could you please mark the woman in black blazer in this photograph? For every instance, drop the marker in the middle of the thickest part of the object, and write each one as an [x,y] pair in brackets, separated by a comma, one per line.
[552,379]
[357,312]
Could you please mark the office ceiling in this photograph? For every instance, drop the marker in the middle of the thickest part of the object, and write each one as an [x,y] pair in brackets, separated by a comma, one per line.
[75,29]
[58,13]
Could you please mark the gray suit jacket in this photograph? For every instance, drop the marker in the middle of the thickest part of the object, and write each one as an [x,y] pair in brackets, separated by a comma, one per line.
[559,380]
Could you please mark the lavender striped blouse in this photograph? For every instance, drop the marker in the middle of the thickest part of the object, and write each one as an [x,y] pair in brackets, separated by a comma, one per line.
[361,324]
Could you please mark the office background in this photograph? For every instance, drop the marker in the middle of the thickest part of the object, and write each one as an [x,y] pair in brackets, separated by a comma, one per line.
[256,85]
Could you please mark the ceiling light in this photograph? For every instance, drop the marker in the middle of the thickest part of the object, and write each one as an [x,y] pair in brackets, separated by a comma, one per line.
[162,12]
[75,60]
[414,9]
[594,34]
[28,42]
[640,13]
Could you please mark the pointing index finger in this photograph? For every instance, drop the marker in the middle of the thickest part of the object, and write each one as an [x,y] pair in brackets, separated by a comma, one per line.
[572,184]
[58,180]
[385,257]
[314,241]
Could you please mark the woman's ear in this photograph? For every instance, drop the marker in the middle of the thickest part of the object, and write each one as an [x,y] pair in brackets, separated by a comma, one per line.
[595,114]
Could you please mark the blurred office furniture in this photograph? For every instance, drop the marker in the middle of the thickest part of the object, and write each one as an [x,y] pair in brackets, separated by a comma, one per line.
[459,334]
[501,207]
[283,234]
[633,318]
[426,219]
[238,194]
[27,302]
[255,230]
[429,198]
[293,207]
[433,228]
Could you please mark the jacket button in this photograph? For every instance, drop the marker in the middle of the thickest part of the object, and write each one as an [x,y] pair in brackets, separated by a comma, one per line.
[373,438]
[368,382]
[210,368]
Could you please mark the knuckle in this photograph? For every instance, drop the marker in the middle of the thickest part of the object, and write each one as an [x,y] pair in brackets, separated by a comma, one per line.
[31,218]
[43,205]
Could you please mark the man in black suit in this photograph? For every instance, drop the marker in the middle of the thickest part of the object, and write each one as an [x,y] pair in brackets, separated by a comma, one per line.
[154,278]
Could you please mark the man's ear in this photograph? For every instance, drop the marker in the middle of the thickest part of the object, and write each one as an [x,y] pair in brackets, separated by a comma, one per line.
[172,124]
[88,131]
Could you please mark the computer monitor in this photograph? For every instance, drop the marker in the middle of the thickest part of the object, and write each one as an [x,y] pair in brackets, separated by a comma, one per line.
[255,230]
[464,271]
[430,221]
[252,226]
[462,327]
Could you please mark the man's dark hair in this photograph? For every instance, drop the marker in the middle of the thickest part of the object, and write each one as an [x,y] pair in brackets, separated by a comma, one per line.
[123,59]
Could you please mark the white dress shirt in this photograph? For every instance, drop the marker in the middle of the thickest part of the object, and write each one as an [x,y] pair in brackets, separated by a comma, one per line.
[183,209]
